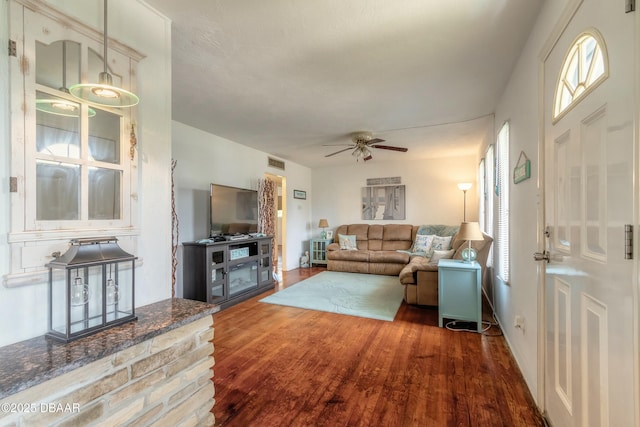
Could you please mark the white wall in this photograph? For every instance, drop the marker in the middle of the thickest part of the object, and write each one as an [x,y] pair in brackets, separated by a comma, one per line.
[203,158]
[519,105]
[23,309]
[432,194]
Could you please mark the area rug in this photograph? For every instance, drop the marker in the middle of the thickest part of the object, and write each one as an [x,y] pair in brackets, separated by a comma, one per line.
[355,294]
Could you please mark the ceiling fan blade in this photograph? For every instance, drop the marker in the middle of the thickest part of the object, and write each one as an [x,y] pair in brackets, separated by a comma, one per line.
[369,157]
[374,141]
[338,152]
[338,145]
[389,147]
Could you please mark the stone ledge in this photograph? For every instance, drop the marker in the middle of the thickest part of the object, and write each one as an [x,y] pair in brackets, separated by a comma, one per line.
[31,362]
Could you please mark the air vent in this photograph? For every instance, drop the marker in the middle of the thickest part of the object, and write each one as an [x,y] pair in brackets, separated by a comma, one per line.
[384,181]
[275,163]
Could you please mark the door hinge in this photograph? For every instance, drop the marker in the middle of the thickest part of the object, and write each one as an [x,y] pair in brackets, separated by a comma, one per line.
[629,6]
[628,241]
[13,184]
[13,51]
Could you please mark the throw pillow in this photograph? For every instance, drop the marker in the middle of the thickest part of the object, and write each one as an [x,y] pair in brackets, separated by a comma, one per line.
[423,243]
[347,242]
[441,243]
[438,255]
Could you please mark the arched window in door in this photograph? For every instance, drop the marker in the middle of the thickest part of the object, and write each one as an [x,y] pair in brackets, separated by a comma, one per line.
[585,67]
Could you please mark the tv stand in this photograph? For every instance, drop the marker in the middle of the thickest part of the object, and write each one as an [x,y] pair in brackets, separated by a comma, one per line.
[226,273]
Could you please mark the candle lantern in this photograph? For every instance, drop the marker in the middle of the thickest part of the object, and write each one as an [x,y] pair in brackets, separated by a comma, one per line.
[91,288]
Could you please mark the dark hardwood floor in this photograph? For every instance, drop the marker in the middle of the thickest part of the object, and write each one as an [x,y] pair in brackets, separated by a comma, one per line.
[283,366]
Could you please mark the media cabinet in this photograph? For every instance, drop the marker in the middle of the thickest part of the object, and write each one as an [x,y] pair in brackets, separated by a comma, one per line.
[226,273]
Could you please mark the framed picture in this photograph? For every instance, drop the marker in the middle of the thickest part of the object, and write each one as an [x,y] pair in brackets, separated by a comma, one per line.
[385,202]
[299,194]
[330,234]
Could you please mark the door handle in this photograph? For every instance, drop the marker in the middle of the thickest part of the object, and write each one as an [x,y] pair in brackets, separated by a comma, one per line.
[542,256]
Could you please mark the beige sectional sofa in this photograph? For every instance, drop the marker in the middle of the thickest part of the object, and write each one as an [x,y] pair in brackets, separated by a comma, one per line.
[386,249]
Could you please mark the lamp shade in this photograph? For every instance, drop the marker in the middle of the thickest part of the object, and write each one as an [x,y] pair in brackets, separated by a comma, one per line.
[323,223]
[464,186]
[470,231]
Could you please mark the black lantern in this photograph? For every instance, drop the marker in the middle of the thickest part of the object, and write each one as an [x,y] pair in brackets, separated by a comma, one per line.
[91,288]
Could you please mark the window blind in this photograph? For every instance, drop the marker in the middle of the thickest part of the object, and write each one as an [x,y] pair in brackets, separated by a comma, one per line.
[482,195]
[502,189]
[489,192]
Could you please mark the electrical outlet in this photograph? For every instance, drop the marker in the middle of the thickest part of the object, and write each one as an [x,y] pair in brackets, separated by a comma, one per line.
[518,322]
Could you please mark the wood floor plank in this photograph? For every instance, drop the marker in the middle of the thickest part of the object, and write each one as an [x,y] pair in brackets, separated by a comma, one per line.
[285,366]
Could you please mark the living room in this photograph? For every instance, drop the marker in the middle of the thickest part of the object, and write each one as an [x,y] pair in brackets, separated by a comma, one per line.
[332,191]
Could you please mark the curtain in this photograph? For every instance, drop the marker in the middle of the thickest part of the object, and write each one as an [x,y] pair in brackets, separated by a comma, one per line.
[267,215]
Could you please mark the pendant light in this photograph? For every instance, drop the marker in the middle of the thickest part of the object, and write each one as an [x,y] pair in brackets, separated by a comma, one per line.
[104,93]
[59,106]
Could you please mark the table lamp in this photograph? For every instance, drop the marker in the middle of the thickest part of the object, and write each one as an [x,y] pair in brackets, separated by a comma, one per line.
[323,224]
[470,231]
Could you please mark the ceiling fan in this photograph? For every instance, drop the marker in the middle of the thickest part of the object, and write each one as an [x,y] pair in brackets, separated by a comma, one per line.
[361,144]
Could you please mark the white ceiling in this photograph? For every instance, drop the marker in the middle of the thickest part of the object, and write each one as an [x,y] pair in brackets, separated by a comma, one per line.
[286,76]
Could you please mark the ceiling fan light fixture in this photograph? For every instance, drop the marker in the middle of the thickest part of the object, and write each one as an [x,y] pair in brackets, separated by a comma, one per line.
[104,93]
[361,144]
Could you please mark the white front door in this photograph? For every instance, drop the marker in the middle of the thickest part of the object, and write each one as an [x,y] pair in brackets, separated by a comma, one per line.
[589,175]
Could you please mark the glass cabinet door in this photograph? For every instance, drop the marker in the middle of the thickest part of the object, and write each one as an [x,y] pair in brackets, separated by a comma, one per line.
[217,285]
[265,262]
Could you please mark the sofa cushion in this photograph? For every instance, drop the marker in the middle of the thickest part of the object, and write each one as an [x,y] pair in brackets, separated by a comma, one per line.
[397,237]
[422,244]
[360,256]
[407,276]
[440,243]
[347,242]
[361,231]
[438,255]
[397,232]
[376,232]
[388,257]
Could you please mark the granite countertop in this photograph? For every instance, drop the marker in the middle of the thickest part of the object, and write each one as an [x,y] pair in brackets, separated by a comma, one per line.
[34,361]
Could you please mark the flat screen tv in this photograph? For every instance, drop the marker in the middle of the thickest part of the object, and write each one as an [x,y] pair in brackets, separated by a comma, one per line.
[233,210]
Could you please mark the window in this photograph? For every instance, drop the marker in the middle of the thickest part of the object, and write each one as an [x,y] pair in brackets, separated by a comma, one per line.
[67,159]
[75,172]
[502,189]
[584,68]
[488,194]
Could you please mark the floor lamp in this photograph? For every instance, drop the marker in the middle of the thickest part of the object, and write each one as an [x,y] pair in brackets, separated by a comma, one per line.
[464,186]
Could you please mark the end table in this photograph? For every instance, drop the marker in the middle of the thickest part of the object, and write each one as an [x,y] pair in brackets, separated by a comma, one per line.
[318,251]
[459,291]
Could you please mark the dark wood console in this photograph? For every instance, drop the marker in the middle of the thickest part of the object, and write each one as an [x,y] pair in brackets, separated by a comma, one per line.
[226,273]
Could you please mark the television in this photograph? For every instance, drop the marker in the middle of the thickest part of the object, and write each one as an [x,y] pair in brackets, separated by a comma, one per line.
[233,210]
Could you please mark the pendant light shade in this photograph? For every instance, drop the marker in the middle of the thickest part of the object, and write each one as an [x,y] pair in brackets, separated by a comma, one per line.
[59,106]
[104,93]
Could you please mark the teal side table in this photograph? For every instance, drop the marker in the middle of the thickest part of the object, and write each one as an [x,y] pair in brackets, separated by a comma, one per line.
[459,291]
[318,249]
